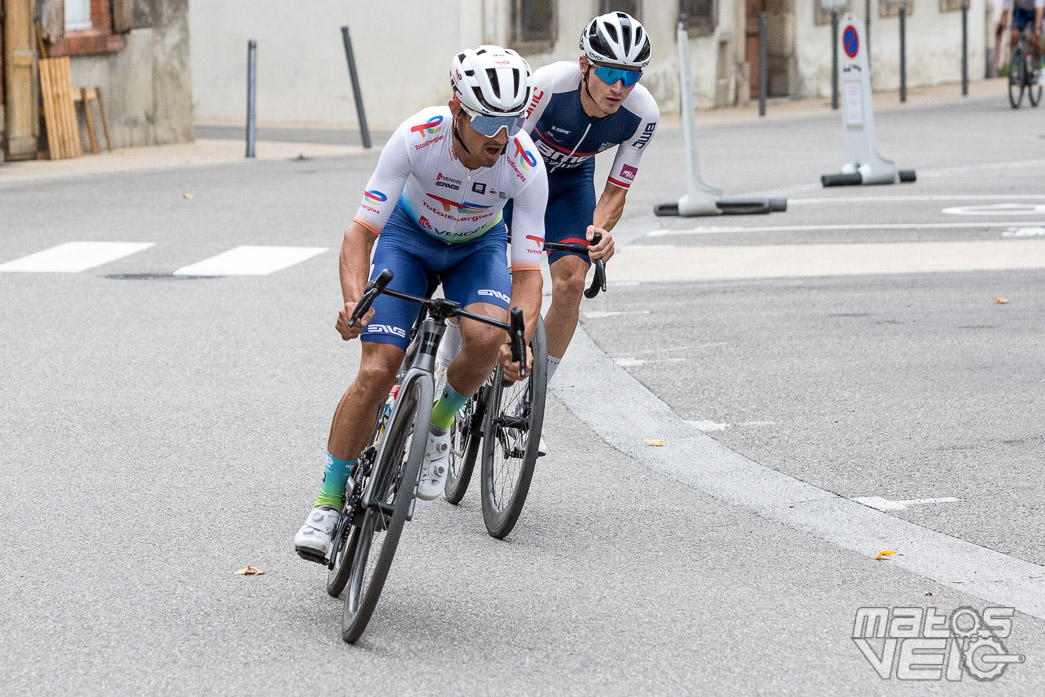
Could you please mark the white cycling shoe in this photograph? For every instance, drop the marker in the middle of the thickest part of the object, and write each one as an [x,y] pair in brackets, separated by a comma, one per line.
[313,539]
[542,447]
[434,467]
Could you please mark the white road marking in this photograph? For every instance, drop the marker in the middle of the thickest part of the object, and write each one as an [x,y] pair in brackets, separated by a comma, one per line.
[901,199]
[719,229]
[250,261]
[880,504]
[1025,232]
[714,426]
[74,257]
[623,412]
[997,209]
[602,315]
[812,260]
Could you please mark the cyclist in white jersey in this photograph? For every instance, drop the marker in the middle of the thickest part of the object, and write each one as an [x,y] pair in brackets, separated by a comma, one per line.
[1025,12]
[434,207]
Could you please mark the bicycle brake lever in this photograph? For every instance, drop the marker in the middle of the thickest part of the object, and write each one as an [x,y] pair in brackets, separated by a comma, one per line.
[518,340]
[372,289]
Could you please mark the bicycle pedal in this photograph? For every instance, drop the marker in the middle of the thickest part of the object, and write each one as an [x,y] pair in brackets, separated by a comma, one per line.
[311,556]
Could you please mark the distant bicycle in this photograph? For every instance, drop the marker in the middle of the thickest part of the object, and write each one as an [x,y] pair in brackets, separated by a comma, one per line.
[504,420]
[379,495]
[1022,74]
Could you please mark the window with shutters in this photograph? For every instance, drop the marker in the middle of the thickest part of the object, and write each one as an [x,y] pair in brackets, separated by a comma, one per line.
[700,16]
[88,29]
[632,7]
[534,25]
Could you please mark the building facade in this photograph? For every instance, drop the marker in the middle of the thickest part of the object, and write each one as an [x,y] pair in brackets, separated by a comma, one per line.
[136,51]
[403,49]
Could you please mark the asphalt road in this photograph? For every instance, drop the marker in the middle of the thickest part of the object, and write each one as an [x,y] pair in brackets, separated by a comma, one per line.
[160,432]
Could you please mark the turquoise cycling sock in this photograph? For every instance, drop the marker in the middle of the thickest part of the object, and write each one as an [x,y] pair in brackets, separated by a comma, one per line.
[447,407]
[332,490]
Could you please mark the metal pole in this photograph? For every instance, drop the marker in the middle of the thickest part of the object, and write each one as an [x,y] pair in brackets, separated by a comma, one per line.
[763,70]
[834,59]
[363,130]
[252,80]
[965,49]
[903,53]
[867,32]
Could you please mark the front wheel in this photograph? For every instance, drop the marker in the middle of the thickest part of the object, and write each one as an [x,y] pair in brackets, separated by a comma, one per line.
[1034,88]
[511,438]
[393,484]
[1017,79]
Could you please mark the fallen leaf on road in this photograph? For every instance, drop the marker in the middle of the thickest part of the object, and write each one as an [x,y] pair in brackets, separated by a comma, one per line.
[250,571]
[188,195]
[884,553]
[655,442]
[928,592]
[1001,301]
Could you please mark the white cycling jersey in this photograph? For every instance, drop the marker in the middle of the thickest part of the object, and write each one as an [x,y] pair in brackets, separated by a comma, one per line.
[419,171]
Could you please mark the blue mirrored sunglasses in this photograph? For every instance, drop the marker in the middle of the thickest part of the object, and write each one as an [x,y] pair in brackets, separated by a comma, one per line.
[611,75]
[489,126]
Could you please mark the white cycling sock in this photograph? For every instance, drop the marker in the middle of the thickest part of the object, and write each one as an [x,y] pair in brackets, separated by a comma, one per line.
[553,363]
[450,346]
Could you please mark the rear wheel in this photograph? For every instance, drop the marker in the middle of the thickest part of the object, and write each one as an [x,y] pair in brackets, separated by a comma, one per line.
[1034,88]
[511,437]
[465,437]
[1017,79]
[393,483]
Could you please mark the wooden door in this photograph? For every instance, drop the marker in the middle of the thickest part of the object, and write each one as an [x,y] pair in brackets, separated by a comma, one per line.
[754,9]
[20,111]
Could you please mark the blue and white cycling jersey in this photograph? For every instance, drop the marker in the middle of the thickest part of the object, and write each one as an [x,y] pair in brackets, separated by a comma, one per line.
[567,137]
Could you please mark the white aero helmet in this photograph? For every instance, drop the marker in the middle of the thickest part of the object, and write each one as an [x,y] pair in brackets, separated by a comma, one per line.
[491,81]
[616,38]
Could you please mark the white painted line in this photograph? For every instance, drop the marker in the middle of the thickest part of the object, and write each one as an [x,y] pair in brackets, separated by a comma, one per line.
[914,199]
[250,261]
[880,504]
[603,315]
[711,263]
[623,412]
[1025,232]
[718,229]
[74,257]
[997,209]
[714,426]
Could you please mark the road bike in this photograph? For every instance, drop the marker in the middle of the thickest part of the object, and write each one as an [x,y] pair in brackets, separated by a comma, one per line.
[1022,72]
[503,421]
[380,494]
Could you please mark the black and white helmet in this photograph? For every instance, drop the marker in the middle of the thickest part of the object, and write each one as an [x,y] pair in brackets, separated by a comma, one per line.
[491,80]
[616,38]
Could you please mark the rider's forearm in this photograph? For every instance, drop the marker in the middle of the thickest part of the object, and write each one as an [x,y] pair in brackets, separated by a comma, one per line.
[354,263]
[526,295]
[610,207]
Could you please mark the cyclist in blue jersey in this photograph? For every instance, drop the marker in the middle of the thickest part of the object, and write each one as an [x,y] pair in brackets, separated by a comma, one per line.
[1026,12]
[434,207]
[580,108]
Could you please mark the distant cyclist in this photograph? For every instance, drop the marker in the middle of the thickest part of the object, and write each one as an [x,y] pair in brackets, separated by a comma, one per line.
[434,206]
[1025,12]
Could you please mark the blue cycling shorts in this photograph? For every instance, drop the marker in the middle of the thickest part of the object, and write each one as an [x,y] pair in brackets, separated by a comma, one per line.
[571,208]
[472,272]
[1022,17]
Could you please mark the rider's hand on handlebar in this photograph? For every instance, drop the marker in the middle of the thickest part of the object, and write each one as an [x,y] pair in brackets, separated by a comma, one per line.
[347,333]
[511,369]
[604,249]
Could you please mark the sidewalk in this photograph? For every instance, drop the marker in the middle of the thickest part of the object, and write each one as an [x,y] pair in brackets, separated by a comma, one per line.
[212,151]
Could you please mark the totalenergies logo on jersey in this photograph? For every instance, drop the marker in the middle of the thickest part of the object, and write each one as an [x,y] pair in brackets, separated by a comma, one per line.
[522,160]
[430,127]
[461,208]
[375,196]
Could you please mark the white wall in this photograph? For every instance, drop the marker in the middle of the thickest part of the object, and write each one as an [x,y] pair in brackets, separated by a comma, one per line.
[933,47]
